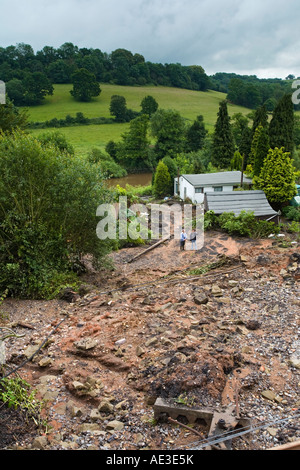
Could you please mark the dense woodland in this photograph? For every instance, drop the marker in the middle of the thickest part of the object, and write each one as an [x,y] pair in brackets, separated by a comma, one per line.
[30,75]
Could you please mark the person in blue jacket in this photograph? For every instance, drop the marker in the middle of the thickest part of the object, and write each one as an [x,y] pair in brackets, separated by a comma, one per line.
[183,238]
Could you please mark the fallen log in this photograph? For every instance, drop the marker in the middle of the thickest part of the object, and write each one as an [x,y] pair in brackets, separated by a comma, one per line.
[149,249]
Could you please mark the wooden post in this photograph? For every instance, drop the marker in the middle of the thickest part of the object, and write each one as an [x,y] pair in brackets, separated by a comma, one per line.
[242,171]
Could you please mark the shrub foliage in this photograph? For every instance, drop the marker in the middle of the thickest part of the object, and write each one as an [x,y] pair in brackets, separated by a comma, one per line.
[48,202]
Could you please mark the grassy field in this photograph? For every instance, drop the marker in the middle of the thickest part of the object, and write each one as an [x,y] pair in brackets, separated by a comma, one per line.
[187,102]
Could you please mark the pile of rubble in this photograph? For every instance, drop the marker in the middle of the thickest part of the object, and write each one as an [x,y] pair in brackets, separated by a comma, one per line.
[168,351]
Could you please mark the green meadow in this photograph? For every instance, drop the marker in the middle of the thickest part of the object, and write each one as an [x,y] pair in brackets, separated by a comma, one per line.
[188,103]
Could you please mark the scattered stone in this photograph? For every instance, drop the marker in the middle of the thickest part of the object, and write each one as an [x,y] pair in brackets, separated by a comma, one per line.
[268,394]
[45,362]
[105,406]
[210,342]
[78,385]
[89,427]
[119,342]
[252,324]
[73,409]
[139,351]
[200,299]
[216,291]
[272,431]
[295,361]
[151,342]
[31,350]
[85,344]
[115,425]
[40,443]
[95,415]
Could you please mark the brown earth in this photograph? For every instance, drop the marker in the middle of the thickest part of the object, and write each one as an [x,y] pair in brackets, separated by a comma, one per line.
[207,329]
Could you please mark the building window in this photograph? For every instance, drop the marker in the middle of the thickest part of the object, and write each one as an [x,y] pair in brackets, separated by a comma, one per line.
[198,190]
[218,188]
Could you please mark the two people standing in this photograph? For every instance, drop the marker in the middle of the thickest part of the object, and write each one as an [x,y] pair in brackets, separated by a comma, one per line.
[183,238]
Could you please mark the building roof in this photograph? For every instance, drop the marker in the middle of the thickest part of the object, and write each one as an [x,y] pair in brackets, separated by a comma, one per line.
[238,201]
[221,178]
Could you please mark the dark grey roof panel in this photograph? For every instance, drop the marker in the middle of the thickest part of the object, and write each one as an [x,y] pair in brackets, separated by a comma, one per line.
[221,178]
[238,201]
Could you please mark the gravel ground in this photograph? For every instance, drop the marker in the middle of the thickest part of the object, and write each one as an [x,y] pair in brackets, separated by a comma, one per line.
[228,337]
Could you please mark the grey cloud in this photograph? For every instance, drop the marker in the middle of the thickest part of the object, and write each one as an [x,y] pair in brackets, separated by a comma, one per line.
[242,36]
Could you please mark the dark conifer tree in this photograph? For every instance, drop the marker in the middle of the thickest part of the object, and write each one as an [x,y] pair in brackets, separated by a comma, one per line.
[245,145]
[281,129]
[223,147]
[260,118]
[261,152]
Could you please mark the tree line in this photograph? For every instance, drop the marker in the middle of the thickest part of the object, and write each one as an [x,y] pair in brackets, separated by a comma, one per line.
[250,91]
[30,76]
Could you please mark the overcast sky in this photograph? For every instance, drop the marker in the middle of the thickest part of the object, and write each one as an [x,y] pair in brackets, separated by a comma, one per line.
[258,37]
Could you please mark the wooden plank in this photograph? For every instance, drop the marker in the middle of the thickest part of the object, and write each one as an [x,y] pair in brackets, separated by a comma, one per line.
[290,446]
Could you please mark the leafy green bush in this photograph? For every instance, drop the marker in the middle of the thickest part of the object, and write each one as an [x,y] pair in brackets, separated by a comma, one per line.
[277,177]
[140,190]
[292,227]
[107,165]
[16,393]
[244,225]
[210,221]
[48,203]
[237,225]
[292,213]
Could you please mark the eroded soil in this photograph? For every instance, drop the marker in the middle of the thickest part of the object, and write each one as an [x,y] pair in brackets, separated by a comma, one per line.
[207,329]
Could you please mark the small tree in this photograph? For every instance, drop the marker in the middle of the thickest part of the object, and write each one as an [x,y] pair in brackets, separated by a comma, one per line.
[37,86]
[132,151]
[12,117]
[118,108]
[85,85]
[237,161]
[277,177]
[196,135]
[162,180]
[149,105]
[168,128]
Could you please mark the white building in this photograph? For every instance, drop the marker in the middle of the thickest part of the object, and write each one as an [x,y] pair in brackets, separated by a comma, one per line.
[195,186]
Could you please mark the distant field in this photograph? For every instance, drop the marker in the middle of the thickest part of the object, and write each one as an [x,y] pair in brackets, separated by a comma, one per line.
[189,103]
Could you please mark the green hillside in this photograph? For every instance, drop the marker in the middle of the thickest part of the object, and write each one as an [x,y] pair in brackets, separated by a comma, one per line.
[188,102]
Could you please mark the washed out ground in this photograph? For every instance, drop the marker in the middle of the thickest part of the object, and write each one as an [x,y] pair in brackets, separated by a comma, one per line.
[203,329]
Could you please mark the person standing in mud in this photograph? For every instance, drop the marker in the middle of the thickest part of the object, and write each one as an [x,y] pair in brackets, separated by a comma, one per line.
[182,240]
